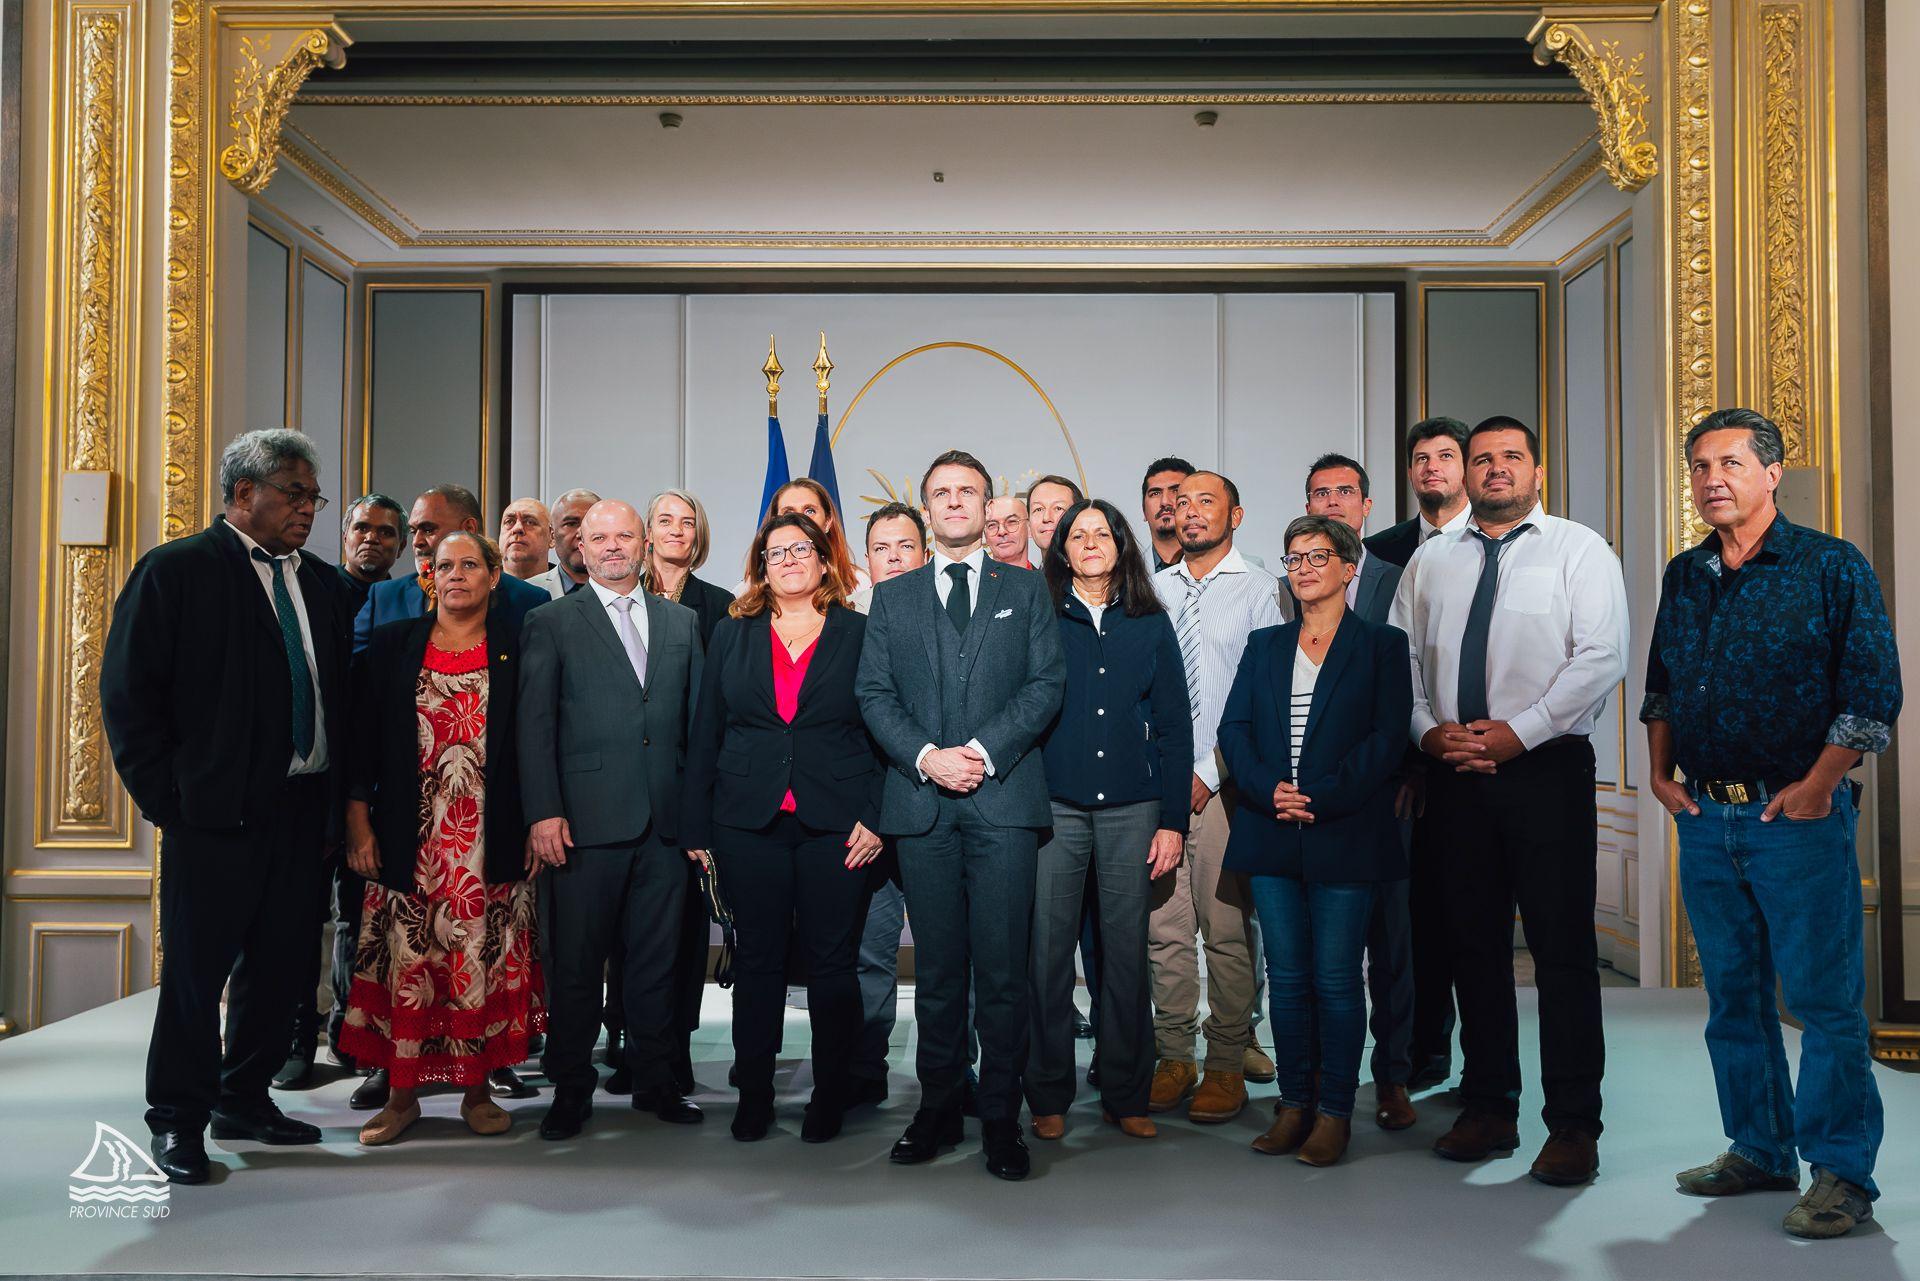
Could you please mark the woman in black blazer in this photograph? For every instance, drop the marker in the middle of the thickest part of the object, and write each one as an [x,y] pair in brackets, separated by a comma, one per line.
[1314,731]
[447,984]
[1118,761]
[783,793]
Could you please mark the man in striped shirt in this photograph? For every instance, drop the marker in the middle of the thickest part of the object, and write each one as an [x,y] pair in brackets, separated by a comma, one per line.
[1216,599]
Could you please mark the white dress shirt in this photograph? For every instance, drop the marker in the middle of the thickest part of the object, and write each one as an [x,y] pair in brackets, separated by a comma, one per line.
[1239,599]
[607,598]
[1096,610]
[975,561]
[1557,646]
[288,567]
[1455,523]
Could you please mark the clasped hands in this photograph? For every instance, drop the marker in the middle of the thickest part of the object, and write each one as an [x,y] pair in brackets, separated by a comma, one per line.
[956,769]
[1478,747]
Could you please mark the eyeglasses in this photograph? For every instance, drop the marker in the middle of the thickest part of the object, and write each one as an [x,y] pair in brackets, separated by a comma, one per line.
[800,553]
[300,495]
[1317,558]
[1325,492]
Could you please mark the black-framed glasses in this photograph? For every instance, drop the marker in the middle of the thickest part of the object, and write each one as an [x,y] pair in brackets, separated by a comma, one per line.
[1317,558]
[1347,492]
[300,495]
[800,553]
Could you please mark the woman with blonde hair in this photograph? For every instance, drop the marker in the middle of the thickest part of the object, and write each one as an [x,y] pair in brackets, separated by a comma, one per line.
[809,498]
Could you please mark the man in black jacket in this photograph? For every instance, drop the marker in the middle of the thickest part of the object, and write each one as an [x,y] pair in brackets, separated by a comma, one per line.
[222,687]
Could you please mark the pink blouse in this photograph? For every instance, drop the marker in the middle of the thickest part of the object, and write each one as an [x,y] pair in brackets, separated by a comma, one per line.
[789,674]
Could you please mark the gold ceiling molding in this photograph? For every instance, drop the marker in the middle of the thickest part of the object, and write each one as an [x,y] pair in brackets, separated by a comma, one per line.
[90,394]
[779,98]
[333,178]
[1614,85]
[262,93]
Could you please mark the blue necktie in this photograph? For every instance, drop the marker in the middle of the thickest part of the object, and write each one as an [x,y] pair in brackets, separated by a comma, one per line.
[1473,644]
[297,669]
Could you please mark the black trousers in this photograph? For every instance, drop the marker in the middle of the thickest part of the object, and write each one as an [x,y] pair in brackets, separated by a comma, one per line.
[633,893]
[970,888]
[690,966]
[789,883]
[1429,945]
[342,896]
[236,913]
[1525,837]
[1390,984]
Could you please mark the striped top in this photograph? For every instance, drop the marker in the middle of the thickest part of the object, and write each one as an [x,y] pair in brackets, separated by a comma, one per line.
[1306,673]
[1231,603]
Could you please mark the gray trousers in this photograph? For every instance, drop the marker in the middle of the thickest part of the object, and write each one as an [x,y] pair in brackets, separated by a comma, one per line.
[878,969]
[1114,842]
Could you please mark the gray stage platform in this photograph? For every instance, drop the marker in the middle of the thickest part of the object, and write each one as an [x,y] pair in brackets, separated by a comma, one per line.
[633,1197]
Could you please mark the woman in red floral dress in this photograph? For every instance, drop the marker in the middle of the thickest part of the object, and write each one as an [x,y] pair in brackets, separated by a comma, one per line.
[447,984]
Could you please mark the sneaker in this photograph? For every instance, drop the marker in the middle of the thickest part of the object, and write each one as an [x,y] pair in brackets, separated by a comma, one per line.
[1730,1174]
[1830,1208]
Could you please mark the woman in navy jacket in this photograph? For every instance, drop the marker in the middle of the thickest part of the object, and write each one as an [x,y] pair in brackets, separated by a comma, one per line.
[1314,731]
[1117,767]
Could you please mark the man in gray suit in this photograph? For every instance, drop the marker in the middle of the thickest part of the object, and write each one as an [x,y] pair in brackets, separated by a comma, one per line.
[607,683]
[1337,487]
[960,673]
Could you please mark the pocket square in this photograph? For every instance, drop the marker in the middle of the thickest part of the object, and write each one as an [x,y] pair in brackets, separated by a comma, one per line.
[1005,613]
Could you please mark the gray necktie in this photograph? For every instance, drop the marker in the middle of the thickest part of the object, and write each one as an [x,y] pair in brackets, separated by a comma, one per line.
[1189,638]
[630,638]
[1472,702]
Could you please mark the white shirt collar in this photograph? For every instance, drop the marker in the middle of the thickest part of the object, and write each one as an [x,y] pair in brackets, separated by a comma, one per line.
[1455,523]
[974,560]
[1231,563]
[607,595]
[1537,518]
[293,557]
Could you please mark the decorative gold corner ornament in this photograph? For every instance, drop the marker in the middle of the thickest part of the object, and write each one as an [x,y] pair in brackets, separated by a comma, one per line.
[261,95]
[1613,85]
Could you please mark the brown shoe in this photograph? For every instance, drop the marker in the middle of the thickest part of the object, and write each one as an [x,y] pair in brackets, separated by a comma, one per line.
[1049,1127]
[1173,1081]
[1286,1134]
[1328,1142]
[1220,1097]
[1569,1159]
[486,1117]
[1256,1065]
[1477,1136]
[1134,1127]
[1393,1110]
[388,1125]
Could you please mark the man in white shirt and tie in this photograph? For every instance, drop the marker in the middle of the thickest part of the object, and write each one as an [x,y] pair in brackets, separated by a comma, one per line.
[1518,631]
[1216,599]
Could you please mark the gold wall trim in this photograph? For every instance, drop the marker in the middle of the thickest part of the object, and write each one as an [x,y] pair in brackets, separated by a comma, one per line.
[1784,253]
[1279,98]
[185,425]
[1614,85]
[89,419]
[262,93]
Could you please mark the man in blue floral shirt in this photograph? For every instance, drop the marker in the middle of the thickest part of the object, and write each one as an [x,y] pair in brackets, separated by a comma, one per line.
[1772,671]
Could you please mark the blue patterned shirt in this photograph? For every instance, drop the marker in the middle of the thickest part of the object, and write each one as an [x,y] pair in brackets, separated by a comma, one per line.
[1757,668]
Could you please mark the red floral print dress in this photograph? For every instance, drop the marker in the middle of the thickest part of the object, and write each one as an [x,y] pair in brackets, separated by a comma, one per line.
[447,983]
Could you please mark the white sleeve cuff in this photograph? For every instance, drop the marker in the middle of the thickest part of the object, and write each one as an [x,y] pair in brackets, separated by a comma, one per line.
[921,757]
[974,743]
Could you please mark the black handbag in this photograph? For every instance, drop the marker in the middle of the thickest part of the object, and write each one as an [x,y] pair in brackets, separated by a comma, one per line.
[720,914]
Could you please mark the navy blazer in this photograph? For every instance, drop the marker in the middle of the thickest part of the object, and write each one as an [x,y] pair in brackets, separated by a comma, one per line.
[1125,729]
[1356,740]
[399,598]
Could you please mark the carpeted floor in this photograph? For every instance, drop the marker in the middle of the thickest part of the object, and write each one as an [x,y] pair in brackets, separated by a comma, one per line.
[633,1197]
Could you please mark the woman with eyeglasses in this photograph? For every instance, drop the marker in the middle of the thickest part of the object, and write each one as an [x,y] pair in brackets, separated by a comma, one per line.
[1315,728]
[783,796]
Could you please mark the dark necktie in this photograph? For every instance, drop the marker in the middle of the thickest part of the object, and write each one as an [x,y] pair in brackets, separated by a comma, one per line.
[959,608]
[1472,703]
[297,670]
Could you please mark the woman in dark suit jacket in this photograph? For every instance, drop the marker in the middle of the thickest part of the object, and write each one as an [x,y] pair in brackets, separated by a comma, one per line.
[447,984]
[783,793]
[1314,731]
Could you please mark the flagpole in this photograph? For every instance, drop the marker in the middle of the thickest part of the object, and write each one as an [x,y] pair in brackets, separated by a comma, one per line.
[822,369]
[773,371]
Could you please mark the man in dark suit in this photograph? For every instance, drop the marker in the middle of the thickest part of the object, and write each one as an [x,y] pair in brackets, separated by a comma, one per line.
[1437,475]
[960,674]
[222,688]
[372,532]
[436,513]
[607,682]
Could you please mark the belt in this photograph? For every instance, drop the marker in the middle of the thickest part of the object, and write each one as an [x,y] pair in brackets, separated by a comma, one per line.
[1728,791]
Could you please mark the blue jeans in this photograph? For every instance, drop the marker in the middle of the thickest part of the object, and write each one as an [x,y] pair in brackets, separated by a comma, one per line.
[1313,933]
[1784,898]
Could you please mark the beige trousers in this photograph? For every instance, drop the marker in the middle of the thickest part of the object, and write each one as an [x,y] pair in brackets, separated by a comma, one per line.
[1199,898]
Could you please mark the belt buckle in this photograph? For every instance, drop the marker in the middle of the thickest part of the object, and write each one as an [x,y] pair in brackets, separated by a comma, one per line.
[1736,793]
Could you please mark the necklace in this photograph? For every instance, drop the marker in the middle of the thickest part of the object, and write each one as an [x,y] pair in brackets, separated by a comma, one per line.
[799,640]
[673,595]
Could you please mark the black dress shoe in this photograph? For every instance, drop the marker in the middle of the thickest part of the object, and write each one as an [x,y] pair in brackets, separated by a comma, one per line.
[865,1090]
[927,1133]
[614,1055]
[536,1045]
[733,1077]
[754,1116]
[264,1124]
[1093,1070]
[371,1094]
[181,1156]
[621,1080]
[1007,1155]
[825,1112]
[669,1105]
[970,1095]
[505,1083]
[296,1073]
[569,1112]
[343,1061]
[1082,1030]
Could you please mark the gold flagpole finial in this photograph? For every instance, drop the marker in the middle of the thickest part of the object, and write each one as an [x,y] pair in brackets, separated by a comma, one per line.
[773,371]
[823,370]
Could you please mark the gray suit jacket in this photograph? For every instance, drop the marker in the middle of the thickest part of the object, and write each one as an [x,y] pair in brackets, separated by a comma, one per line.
[595,748]
[1379,578]
[1015,677]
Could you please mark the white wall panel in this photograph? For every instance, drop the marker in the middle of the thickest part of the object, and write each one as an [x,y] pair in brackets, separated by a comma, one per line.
[323,392]
[266,379]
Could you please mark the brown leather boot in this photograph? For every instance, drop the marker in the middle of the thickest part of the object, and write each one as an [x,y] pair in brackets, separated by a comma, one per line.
[1393,1110]
[1286,1133]
[1049,1127]
[1328,1142]
[1173,1081]
[1477,1136]
[1569,1159]
[1220,1097]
